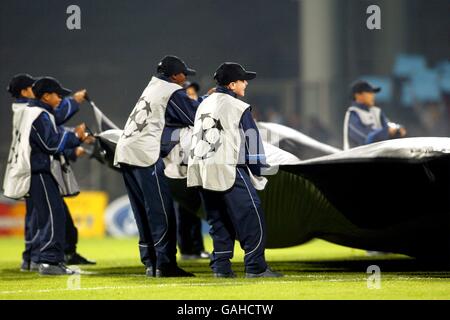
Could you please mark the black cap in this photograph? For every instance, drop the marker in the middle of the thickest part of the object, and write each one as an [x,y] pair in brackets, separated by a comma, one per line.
[49,85]
[230,72]
[194,85]
[170,65]
[18,83]
[364,86]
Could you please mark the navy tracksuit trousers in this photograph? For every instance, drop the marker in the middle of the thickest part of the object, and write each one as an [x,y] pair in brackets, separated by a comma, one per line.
[50,217]
[31,252]
[236,213]
[189,228]
[152,205]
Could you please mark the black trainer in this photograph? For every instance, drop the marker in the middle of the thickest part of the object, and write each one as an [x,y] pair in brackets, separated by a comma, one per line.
[55,269]
[224,275]
[75,259]
[172,272]
[268,273]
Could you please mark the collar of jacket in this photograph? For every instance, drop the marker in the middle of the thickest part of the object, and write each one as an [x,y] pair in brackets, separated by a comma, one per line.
[22,100]
[361,106]
[42,105]
[222,89]
[163,77]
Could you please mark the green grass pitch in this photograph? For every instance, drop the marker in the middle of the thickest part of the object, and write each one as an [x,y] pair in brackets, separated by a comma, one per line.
[317,270]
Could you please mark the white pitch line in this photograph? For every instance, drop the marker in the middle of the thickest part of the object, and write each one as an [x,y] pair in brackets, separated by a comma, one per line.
[200,284]
[161,285]
[67,289]
[122,287]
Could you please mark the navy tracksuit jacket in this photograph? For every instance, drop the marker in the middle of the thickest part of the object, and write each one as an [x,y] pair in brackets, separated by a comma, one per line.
[62,114]
[149,193]
[237,213]
[46,140]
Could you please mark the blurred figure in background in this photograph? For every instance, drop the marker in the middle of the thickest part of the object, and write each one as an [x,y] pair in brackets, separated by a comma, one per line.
[189,225]
[192,90]
[364,122]
[275,116]
[189,230]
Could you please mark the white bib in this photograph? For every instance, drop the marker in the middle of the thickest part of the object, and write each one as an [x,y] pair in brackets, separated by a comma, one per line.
[177,160]
[140,141]
[16,183]
[216,142]
[371,118]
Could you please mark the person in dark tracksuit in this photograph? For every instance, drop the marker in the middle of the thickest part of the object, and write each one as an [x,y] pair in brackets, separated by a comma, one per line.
[68,107]
[71,256]
[226,155]
[20,88]
[189,231]
[47,139]
[192,90]
[30,256]
[364,122]
[189,225]
[147,138]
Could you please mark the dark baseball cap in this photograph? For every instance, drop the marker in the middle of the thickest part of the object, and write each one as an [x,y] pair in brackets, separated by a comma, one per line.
[18,83]
[170,65]
[49,85]
[364,86]
[230,72]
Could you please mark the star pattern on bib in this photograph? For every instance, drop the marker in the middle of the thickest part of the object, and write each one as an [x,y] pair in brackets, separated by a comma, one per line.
[208,139]
[137,121]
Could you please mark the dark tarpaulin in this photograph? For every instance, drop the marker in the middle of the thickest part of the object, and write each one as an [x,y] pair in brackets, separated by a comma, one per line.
[392,196]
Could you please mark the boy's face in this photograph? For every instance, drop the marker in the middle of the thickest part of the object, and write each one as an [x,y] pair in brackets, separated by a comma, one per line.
[27,93]
[238,87]
[367,98]
[179,78]
[52,99]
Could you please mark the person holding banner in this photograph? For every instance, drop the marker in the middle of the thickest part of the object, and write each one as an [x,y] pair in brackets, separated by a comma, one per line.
[20,88]
[225,160]
[68,107]
[148,137]
[365,123]
[36,140]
